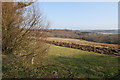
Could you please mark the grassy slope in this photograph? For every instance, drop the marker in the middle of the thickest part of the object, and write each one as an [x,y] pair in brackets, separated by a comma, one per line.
[82,64]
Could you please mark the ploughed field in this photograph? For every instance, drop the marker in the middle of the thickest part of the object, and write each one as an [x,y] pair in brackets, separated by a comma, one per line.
[102,48]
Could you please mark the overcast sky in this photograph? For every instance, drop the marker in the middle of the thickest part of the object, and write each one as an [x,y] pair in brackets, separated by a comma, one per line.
[81,15]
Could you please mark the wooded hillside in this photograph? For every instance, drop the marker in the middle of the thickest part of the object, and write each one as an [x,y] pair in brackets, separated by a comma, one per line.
[89,36]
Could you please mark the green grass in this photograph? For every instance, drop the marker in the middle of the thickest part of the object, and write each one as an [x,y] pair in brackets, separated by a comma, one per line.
[81,64]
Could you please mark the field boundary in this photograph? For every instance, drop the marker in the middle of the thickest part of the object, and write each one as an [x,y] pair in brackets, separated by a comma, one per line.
[101,50]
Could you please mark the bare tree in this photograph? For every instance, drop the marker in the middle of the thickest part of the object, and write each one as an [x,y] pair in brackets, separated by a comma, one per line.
[0,26]
[23,29]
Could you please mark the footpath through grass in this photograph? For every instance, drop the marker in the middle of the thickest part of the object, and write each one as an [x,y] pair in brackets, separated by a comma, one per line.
[81,64]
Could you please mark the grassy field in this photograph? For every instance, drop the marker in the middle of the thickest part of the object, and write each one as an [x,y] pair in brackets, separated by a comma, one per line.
[82,63]
[63,62]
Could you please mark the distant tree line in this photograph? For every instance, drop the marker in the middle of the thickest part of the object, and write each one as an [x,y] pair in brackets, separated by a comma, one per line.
[102,38]
[88,36]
